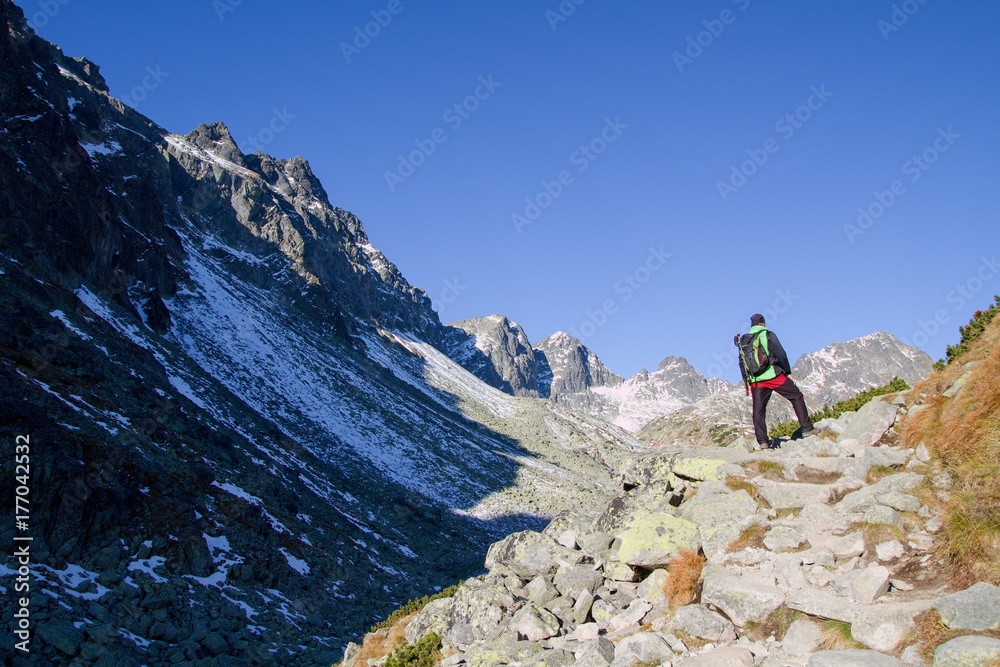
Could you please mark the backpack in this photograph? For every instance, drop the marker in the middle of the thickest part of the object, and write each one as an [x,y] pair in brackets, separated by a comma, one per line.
[753,357]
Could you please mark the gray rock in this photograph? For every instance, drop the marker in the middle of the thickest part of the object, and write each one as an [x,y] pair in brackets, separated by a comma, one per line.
[742,601]
[598,652]
[619,572]
[571,580]
[912,656]
[901,502]
[864,586]
[720,518]
[730,656]
[969,651]
[863,498]
[594,543]
[215,644]
[529,554]
[888,551]
[540,590]
[976,608]
[534,624]
[643,647]
[581,609]
[792,495]
[824,604]
[922,453]
[631,615]
[497,351]
[882,629]
[871,422]
[651,539]
[784,538]
[852,658]
[802,638]
[60,634]
[698,621]
[652,587]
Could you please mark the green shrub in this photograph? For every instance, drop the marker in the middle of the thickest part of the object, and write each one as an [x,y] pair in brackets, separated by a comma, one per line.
[412,607]
[973,330]
[423,654]
[850,405]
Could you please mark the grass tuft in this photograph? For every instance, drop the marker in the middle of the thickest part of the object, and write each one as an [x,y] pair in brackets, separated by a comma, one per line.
[683,575]
[751,537]
[836,636]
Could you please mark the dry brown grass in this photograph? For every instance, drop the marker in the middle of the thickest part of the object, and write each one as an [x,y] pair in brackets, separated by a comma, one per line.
[963,433]
[876,533]
[931,632]
[776,625]
[379,644]
[683,574]
[769,469]
[752,536]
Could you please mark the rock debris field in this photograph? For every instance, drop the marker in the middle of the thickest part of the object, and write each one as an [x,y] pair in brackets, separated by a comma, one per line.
[818,554]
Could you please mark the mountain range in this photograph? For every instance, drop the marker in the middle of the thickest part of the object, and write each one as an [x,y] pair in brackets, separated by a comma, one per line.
[251,437]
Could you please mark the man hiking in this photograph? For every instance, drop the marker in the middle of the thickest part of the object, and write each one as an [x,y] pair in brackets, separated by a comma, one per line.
[765,369]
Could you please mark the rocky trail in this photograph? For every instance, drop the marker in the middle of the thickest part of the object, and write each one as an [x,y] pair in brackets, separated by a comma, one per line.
[819,554]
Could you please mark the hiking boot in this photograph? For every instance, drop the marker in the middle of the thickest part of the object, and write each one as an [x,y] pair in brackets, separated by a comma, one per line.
[771,443]
[807,431]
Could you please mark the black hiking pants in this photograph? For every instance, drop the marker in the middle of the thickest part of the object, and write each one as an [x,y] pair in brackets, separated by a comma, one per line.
[761,397]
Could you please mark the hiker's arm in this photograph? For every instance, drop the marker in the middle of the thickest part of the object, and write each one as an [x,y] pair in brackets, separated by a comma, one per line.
[778,353]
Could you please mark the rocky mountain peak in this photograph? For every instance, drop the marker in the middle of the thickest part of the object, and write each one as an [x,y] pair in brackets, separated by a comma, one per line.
[216,139]
[497,351]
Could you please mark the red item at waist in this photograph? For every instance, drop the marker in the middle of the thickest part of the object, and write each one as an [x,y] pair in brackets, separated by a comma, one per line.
[773,383]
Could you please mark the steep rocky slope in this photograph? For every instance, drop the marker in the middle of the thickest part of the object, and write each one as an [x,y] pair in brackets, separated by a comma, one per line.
[835,373]
[247,443]
[824,553]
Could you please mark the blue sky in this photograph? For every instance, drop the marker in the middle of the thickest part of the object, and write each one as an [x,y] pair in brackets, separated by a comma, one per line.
[689,163]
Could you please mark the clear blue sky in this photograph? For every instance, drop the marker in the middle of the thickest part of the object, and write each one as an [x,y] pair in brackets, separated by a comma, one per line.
[448,225]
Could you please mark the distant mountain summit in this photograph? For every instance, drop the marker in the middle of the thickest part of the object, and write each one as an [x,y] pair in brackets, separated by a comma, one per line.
[497,351]
[835,373]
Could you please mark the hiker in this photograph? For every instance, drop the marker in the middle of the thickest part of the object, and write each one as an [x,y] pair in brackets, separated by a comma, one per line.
[765,369]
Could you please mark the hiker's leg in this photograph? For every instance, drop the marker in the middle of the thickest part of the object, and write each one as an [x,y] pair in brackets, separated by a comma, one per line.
[761,395]
[794,395]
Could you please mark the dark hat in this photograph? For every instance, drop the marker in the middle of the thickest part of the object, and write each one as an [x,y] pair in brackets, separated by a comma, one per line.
[756,320]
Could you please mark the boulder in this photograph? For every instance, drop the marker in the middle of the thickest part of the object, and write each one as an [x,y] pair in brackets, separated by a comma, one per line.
[651,539]
[555,657]
[865,497]
[852,658]
[434,617]
[571,580]
[479,611]
[968,651]
[802,638]
[617,571]
[652,587]
[528,554]
[599,652]
[730,656]
[976,608]
[644,647]
[581,609]
[880,515]
[534,624]
[720,517]
[742,601]
[632,615]
[824,604]
[540,591]
[887,551]
[882,628]
[61,634]
[701,623]
[594,543]
[870,423]
[864,586]
[784,538]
